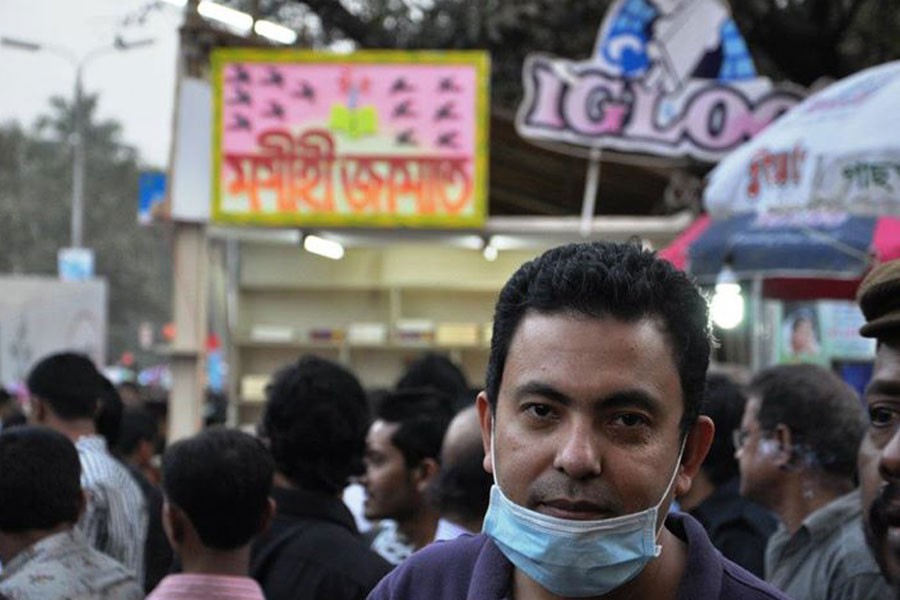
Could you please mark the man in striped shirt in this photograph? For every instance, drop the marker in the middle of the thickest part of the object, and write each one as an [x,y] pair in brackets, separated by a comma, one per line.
[64,391]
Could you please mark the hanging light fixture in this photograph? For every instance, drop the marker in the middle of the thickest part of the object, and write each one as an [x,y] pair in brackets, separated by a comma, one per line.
[727,305]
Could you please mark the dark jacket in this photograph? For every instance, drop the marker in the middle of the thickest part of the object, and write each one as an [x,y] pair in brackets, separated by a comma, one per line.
[313,551]
[736,526]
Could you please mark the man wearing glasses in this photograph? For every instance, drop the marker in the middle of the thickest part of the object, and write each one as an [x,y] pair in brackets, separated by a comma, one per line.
[797,449]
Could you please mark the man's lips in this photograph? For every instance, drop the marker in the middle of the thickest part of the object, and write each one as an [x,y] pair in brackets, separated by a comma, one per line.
[581,510]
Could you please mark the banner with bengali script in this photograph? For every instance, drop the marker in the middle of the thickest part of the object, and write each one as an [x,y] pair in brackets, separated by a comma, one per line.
[374,138]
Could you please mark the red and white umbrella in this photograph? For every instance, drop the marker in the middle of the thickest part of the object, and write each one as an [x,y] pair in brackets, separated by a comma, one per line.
[838,150]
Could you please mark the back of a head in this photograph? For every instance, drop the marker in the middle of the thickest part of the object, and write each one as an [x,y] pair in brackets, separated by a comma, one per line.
[221,479]
[422,415]
[69,383]
[137,425]
[823,413]
[723,403]
[40,479]
[463,486]
[108,418]
[438,372]
[606,279]
[315,420]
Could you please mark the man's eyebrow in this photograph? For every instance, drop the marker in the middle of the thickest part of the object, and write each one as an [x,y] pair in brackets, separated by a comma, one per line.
[629,398]
[632,399]
[890,387]
[537,388]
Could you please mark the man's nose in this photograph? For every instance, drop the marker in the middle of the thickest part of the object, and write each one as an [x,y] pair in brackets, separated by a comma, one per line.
[578,455]
[889,459]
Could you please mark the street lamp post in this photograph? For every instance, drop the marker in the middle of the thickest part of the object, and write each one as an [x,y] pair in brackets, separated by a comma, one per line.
[77,140]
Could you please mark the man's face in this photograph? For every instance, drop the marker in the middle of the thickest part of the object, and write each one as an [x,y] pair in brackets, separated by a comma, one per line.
[391,491]
[755,456]
[587,419]
[879,461]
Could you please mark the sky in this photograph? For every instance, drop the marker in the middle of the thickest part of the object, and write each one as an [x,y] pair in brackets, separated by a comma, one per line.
[136,87]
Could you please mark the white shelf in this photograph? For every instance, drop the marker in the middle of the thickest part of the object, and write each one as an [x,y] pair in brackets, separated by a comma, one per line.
[287,293]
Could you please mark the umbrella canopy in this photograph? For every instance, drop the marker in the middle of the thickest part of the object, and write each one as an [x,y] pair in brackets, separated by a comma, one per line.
[837,150]
[811,202]
[799,255]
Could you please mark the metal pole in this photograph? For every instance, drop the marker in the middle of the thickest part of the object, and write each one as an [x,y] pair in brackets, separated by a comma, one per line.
[756,325]
[78,163]
[592,181]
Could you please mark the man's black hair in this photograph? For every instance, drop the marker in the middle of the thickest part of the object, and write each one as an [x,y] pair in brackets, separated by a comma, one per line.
[69,383]
[723,403]
[422,415]
[138,425]
[221,479]
[40,479]
[315,420]
[606,279]
[108,418]
[437,371]
[824,414]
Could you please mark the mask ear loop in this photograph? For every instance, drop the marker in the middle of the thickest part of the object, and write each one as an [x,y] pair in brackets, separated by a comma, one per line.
[659,526]
[493,453]
[658,504]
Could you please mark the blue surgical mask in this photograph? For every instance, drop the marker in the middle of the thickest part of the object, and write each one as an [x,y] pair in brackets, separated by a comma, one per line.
[570,557]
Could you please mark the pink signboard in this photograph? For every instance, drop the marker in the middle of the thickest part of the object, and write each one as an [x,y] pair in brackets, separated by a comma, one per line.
[375,138]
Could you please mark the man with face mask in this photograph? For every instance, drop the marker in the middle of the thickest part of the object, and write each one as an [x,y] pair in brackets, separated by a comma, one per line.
[590,422]
[879,454]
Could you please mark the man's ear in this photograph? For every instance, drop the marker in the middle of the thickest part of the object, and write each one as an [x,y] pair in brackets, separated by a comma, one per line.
[782,453]
[425,472]
[82,503]
[144,452]
[696,446]
[486,419]
[37,410]
[173,520]
[268,515]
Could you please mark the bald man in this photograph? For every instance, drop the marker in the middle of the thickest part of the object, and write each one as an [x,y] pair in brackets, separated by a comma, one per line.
[463,487]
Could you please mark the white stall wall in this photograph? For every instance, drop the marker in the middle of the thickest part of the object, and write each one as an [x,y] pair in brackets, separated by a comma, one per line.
[42,315]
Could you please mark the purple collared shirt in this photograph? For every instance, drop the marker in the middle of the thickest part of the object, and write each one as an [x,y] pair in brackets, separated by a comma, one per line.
[471,567]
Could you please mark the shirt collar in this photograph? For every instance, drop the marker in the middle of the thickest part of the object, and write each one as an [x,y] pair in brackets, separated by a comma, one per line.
[313,505]
[822,522]
[57,543]
[91,443]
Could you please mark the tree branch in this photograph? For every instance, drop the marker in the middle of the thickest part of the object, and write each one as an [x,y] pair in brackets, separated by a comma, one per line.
[335,15]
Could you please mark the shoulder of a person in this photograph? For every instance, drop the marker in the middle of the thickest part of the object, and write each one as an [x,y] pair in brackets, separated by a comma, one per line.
[432,568]
[740,584]
[331,547]
[853,563]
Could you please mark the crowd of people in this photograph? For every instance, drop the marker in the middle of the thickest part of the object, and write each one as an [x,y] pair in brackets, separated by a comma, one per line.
[602,459]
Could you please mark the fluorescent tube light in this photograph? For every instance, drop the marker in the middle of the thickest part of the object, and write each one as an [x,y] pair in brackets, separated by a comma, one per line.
[235,19]
[275,32]
[323,247]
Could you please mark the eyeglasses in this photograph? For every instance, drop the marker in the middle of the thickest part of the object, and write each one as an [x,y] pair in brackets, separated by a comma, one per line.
[739,437]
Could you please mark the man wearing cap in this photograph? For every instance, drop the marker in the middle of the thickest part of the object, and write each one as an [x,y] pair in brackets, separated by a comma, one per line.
[879,454]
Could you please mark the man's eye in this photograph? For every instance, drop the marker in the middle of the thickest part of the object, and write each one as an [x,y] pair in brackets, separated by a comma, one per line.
[632,419]
[541,411]
[882,416]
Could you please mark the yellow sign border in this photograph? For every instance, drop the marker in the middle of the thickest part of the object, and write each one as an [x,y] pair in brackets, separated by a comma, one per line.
[479,59]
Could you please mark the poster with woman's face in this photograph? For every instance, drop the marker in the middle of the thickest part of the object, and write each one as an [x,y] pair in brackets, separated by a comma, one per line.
[801,340]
